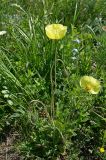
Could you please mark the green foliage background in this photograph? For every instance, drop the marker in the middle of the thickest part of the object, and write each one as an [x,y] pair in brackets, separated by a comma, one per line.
[26,56]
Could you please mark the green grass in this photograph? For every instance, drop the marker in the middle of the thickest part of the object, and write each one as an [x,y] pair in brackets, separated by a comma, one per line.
[75,127]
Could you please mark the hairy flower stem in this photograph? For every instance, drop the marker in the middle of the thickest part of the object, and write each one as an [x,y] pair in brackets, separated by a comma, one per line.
[53,80]
[52,93]
[55,61]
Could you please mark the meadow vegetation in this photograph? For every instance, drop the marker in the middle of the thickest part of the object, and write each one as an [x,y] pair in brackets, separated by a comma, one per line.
[57,113]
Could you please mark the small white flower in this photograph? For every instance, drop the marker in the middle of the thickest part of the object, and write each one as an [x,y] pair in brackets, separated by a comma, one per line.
[98,44]
[77,41]
[75,50]
[74,58]
[2,33]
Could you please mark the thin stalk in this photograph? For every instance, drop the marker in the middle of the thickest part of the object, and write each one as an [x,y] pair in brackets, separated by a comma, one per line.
[52,93]
[75,13]
[53,80]
[99,116]
[55,61]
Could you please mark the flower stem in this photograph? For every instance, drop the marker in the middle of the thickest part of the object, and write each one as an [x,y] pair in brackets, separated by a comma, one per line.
[52,93]
[55,61]
[53,79]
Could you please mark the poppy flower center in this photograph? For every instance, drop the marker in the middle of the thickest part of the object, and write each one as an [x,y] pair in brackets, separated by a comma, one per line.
[88,87]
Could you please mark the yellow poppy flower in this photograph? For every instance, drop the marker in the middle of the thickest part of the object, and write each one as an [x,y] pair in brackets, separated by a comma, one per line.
[55,31]
[104,28]
[102,150]
[90,84]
